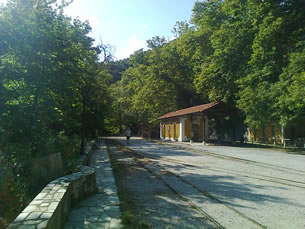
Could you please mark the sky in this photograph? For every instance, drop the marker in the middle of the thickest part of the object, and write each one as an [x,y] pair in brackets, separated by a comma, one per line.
[126,25]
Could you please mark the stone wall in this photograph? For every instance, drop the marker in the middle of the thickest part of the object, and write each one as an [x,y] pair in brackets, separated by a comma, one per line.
[51,206]
[90,147]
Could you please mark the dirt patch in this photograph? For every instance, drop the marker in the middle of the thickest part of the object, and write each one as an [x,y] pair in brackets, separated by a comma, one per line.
[146,202]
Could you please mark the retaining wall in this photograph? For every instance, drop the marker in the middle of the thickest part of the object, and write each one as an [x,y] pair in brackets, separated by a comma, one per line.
[51,206]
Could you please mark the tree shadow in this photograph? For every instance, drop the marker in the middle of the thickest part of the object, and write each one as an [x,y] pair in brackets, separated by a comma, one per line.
[149,200]
[228,188]
[241,193]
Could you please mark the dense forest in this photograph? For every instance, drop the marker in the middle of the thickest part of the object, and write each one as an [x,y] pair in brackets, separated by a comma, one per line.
[248,54]
[58,90]
[53,92]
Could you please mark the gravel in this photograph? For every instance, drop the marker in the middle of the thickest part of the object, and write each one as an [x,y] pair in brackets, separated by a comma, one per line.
[151,200]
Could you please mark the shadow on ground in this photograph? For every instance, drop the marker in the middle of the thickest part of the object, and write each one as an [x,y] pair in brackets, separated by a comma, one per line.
[146,199]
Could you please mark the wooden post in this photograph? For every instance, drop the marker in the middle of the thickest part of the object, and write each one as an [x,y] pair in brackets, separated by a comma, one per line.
[174,131]
[161,137]
[203,130]
[191,131]
[283,135]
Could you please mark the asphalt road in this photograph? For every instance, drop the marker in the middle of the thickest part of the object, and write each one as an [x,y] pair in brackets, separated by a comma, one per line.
[235,187]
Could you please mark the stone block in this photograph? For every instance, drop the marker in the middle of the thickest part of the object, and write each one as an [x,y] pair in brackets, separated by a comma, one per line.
[32,222]
[34,215]
[36,202]
[51,206]
[30,208]
[27,227]
[41,195]
[42,225]
[21,217]
[58,195]
[115,224]
[44,204]
[46,215]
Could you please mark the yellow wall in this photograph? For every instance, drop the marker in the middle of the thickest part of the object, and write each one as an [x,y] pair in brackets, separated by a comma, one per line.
[251,137]
[174,129]
[298,124]
[187,128]
[187,125]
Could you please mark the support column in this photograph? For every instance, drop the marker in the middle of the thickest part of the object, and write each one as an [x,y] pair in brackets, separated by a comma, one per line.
[174,131]
[203,130]
[191,131]
[283,136]
[161,134]
[181,129]
[206,127]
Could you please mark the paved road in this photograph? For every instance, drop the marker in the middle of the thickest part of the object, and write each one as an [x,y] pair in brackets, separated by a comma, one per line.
[237,187]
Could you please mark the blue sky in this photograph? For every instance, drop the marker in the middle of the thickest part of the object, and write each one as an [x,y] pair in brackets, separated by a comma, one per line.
[127,24]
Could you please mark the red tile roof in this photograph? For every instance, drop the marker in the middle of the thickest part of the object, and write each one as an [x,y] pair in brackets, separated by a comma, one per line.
[187,111]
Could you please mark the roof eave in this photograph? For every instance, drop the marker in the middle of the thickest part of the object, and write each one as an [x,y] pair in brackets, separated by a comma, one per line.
[184,115]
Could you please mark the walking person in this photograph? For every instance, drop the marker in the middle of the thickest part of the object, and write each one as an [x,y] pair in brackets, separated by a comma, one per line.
[128,134]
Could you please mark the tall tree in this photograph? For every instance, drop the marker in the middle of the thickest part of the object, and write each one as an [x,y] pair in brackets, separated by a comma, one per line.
[52,87]
[279,27]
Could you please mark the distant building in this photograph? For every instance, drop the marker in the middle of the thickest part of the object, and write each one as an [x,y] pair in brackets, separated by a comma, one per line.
[203,123]
[273,132]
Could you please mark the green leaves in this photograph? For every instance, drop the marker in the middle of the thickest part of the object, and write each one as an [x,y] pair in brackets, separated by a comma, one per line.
[278,32]
[249,54]
[47,62]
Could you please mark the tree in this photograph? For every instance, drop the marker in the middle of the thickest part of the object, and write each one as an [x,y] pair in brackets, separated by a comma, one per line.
[116,68]
[230,38]
[156,42]
[279,27]
[180,28]
[52,87]
[247,54]
[290,89]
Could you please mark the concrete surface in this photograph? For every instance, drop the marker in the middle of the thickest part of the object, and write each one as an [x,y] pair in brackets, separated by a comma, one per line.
[239,187]
[148,199]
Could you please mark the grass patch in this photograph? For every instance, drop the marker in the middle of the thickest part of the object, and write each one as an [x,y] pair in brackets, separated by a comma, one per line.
[130,221]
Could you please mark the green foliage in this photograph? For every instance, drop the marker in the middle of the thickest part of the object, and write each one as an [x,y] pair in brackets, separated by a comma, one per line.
[116,69]
[231,48]
[290,89]
[246,53]
[270,79]
[53,90]
[157,81]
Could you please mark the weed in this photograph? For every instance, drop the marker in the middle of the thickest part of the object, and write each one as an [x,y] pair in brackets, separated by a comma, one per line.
[129,218]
